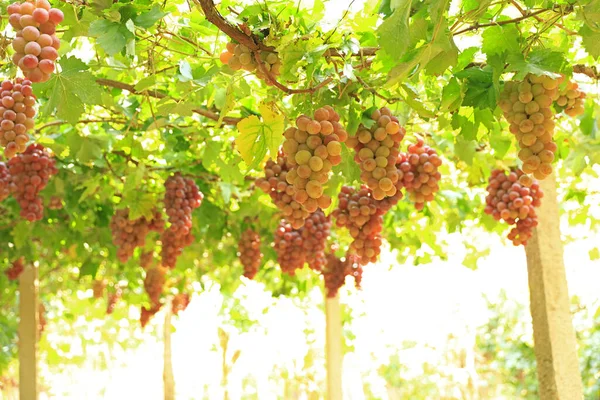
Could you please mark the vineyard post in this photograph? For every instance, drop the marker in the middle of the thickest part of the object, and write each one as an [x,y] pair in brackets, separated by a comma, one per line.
[553,334]
[168,379]
[28,333]
[333,326]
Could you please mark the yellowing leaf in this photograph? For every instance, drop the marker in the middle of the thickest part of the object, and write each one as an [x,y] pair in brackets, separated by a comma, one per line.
[259,137]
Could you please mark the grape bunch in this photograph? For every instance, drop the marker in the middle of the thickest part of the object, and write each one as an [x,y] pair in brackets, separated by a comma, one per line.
[359,212]
[526,106]
[570,99]
[377,150]
[98,288]
[16,115]
[15,269]
[182,196]
[153,284]
[514,203]
[289,247]
[419,168]
[129,234]
[180,302]
[312,149]
[112,300]
[4,181]
[281,192]
[249,252]
[146,259]
[315,232]
[36,44]
[336,270]
[55,203]
[147,313]
[29,174]
[238,56]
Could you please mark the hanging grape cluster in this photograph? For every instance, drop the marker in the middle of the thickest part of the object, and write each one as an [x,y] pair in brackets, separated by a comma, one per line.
[112,300]
[420,175]
[4,181]
[526,106]
[312,149]
[16,115]
[181,198]
[514,203]
[289,248]
[377,150]
[129,234]
[29,174]
[153,284]
[238,56]
[146,259]
[281,192]
[98,288]
[249,252]
[336,271]
[55,203]
[570,99]
[315,232]
[15,269]
[36,44]
[359,212]
[180,302]
[147,313]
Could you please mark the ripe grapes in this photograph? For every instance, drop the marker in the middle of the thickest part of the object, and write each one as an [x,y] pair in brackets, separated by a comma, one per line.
[514,203]
[15,269]
[281,192]
[98,288]
[16,115]
[146,259]
[420,176]
[4,181]
[129,234]
[55,203]
[238,56]
[289,248]
[570,99]
[336,270]
[181,198]
[377,149]
[147,313]
[153,284]
[180,302]
[29,174]
[249,252]
[112,300]
[312,149]
[315,232]
[36,44]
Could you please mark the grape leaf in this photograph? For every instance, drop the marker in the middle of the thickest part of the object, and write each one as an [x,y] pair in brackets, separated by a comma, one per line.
[140,204]
[479,88]
[111,36]
[258,137]
[500,39]
[88,267]
[465,149]
[147,19]
[590,40]
[539,62]
[69,89]
[452,96]
[393,32]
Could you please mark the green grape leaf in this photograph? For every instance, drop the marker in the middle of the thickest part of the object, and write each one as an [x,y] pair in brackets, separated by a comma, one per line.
[147,19]
[21,234]
[465,149]
[452,95]
[479,87]
[69,90]
[591,40]
[140,204]
[500,39]
[393,32]
[111,36]
[88,267]
[538,62]
[258,137]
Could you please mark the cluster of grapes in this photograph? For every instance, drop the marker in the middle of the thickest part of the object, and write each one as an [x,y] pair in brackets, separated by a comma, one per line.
[98,288]
[420,176]
[377,150]
[181,198]
[29,174]
[146,259]
[15,269]
[281,192]
[315,232]
[36,44]
[112,300]
[514,203]
[238,56]
[147,313]
[56,203]
[153,284]
[312,149]
[570,99]
[289,248]
[129,234]
[526,106]
[4,181]
[359,212]
[180,302]
[249,252]
[16,115]
[337,270]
